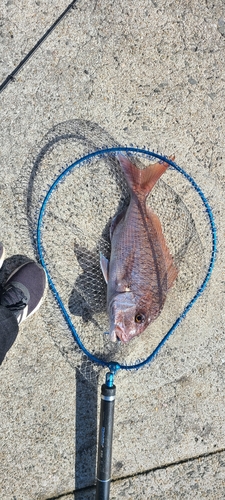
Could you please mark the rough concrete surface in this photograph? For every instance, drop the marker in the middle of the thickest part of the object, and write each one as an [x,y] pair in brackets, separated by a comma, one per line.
[22,25]
[201,479]
[147,73]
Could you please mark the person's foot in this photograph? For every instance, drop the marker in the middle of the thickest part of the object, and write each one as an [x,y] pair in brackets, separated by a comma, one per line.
[2,254]
[24,290]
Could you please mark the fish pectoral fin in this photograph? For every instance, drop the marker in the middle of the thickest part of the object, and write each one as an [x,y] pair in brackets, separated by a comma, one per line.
[112,336]
[104,263]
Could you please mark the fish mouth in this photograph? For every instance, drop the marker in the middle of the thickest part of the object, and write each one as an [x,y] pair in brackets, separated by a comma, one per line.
[121,310]
[118,333]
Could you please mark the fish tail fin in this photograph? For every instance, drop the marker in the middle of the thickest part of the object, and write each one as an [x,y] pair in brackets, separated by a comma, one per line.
[142,181]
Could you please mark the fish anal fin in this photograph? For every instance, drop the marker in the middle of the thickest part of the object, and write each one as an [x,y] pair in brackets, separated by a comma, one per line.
[171,269]
[104,263]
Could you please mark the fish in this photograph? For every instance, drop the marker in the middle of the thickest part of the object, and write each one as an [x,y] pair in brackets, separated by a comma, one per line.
[140,270]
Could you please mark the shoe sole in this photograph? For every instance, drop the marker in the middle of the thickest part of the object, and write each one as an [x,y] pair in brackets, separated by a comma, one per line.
[2,257]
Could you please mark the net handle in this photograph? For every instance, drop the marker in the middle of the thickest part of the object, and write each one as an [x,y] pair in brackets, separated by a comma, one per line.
[108,393]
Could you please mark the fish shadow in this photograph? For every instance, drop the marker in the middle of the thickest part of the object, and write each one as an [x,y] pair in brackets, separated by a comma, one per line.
[88,296]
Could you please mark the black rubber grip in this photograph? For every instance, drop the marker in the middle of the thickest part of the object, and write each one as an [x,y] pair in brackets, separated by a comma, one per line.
[105,442]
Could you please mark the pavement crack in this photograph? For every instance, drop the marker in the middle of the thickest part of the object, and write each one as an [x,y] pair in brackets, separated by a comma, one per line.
[170,465]
[142,473]
[79,490]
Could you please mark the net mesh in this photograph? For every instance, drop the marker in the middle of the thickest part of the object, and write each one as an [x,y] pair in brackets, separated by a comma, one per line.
[80,210]
[75,229]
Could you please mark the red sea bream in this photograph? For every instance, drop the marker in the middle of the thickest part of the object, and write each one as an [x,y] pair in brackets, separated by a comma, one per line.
[140,270]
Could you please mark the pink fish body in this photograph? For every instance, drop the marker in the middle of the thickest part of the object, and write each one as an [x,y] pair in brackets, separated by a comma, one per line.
[141,270]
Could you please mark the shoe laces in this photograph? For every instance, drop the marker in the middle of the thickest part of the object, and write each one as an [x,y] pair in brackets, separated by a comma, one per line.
[13,298]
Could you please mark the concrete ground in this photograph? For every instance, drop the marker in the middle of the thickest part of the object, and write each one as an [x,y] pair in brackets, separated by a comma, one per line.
[147,73]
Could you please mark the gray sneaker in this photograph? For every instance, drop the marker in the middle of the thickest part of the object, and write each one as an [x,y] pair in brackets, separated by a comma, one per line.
[24,290]
[2,254]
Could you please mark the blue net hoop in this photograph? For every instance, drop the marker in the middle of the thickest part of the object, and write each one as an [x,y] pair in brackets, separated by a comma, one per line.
[111,365]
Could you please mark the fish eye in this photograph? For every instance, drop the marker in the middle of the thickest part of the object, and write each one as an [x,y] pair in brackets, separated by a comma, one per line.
[139,318]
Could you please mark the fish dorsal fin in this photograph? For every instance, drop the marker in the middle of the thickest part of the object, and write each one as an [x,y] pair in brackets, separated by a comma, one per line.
[104,263]
[141,181]
[172,273]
